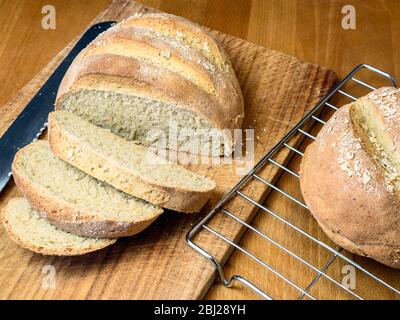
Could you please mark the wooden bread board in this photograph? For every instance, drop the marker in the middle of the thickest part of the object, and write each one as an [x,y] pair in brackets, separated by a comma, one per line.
[158,264]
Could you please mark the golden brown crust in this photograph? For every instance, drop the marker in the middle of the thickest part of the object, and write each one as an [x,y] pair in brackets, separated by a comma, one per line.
[186,201]
[104,58]
[168,52]
[385,254]
[135,43]
[189,31]
[347,193]
[46,251]
[63,144]
[68,218]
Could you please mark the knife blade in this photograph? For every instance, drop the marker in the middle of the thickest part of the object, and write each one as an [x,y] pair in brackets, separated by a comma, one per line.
[32,121]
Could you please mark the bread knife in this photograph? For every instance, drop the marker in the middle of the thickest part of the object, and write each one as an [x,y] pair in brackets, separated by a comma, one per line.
[32,121]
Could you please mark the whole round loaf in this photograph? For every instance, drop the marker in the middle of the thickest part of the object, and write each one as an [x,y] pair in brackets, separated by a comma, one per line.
[349,177]
[149,70]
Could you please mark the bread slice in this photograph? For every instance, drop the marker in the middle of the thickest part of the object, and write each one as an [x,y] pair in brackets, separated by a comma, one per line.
[74,201]
[125,165]
[29,230]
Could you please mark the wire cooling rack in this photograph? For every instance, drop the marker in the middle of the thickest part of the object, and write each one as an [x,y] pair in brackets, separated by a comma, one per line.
[359,81]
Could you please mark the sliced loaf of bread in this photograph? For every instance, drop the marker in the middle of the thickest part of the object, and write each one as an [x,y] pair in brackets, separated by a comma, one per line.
[125,165]
[74,201]
[29,230]
[157,73]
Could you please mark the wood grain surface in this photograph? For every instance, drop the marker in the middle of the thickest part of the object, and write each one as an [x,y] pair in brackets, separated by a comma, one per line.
[310,30]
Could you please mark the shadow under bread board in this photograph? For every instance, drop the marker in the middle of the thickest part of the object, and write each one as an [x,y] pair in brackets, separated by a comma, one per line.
[157,264]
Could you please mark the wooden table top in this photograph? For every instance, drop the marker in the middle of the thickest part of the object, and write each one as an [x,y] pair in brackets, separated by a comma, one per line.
[310,30]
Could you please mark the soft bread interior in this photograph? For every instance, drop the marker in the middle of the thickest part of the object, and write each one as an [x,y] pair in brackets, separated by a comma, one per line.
[370,128]
[33,232]
[146,121]
[65,184]
[135,158]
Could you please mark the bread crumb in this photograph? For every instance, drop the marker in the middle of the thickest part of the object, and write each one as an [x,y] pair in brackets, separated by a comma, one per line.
[349,155]
[179,35]
[366,177]
[166,54]
[70,154]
